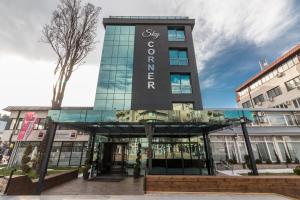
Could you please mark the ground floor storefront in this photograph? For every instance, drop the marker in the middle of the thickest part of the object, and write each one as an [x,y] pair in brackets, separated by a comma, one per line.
[183,155]
[63,153]
[266,148]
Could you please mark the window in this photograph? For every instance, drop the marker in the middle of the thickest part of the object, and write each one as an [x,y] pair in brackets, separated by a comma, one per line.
[20,122]
[178,57]
[247,104]
[290,120]
[277,120]
[12,123]
[40,124]
[259,99]
[274,92]
[182,106]
[115,77]
[181,84]
[296,103]
[292,84]
[176,34]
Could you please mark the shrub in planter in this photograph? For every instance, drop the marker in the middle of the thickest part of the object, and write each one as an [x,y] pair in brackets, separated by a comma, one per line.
[26,159]
[258,161]
[269,161]
[297,170]
[297,160]
[288,159]
[247,161]
[137,166]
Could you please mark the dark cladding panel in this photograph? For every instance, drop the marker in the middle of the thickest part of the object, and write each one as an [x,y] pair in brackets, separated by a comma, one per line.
[160,96]
[144,95]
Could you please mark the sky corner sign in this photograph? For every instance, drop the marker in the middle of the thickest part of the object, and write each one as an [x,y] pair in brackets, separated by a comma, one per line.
[152,35]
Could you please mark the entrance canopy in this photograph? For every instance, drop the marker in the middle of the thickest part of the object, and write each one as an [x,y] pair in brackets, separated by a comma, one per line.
[132,122]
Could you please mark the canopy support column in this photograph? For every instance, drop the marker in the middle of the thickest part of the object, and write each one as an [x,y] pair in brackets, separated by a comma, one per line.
[50,134]
[208,153]
[149,130]
[249,147]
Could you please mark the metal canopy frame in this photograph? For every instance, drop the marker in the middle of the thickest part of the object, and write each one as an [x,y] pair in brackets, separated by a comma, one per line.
[138,129]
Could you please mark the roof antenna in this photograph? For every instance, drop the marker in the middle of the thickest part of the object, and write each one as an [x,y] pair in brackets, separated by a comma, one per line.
[263,63]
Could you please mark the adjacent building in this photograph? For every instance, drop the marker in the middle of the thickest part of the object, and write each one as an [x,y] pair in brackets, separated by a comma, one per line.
[275,86]
[69,147]
[274,136]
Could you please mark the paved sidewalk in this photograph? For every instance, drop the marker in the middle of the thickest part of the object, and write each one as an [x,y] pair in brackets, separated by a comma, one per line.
[164,196]
[102,186]
[245,171]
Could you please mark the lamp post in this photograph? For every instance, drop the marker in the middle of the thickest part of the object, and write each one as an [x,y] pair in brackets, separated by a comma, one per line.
[248,145]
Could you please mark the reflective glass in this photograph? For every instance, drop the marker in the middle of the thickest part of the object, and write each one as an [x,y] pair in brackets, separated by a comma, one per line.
[180,84]
[178,57]
[176,34]
[115,75]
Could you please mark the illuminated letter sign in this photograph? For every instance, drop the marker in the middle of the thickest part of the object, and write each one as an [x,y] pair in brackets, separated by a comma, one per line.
[153,35]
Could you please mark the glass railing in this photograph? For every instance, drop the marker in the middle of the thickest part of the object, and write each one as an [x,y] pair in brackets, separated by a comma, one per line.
[147,116]
[148,17]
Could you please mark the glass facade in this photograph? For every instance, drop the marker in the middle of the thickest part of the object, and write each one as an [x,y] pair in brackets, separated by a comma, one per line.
[181,84]
[178,57]
[176,34]
[182,106]
[115,75]
[62,153]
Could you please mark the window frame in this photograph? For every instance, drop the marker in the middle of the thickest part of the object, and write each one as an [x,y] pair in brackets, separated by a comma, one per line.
[274,91]
[181,86]
[259,99]
[176,29]
[177,59]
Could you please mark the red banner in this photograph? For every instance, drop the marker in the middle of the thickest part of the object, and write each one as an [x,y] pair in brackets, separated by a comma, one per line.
[28,123]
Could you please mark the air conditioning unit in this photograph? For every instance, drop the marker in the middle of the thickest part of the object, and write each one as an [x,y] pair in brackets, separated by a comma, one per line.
[288,102]
[271,99]
[280,74]
[261,114]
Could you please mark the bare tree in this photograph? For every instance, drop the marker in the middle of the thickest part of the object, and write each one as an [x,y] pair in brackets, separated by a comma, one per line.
[71,34]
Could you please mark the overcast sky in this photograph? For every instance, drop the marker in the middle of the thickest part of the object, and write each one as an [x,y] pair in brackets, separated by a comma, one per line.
[230,37]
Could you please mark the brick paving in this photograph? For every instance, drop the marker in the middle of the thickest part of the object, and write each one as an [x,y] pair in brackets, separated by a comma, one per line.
[102,186]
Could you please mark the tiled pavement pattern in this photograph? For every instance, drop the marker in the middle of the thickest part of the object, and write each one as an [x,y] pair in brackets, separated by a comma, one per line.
[199,196]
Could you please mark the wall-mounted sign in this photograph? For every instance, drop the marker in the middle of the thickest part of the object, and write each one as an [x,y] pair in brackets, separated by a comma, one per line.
[149,33]
[153,35]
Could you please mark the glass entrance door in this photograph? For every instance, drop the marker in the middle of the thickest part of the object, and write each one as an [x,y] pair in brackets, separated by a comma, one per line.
[112,158]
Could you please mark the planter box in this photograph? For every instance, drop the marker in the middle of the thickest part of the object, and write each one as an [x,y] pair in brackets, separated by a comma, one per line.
[22,185]
[283,185]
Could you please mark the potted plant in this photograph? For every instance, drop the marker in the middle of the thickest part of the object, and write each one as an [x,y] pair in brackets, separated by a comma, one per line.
[137,166]
[26,159]
[297,170]
[87,166]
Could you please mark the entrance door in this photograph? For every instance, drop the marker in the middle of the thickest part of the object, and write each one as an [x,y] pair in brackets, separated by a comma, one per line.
[114,158]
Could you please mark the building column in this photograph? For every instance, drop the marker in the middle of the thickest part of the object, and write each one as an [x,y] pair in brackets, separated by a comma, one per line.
[249,147]
[208,153]
[50,134]
[149,130]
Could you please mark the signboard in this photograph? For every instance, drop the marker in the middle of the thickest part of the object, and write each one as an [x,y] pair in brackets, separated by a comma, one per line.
[29,121]
[153,35]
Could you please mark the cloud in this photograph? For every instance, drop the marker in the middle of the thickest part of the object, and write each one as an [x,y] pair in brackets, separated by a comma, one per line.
[209,82]
[26,62]
[220,24]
